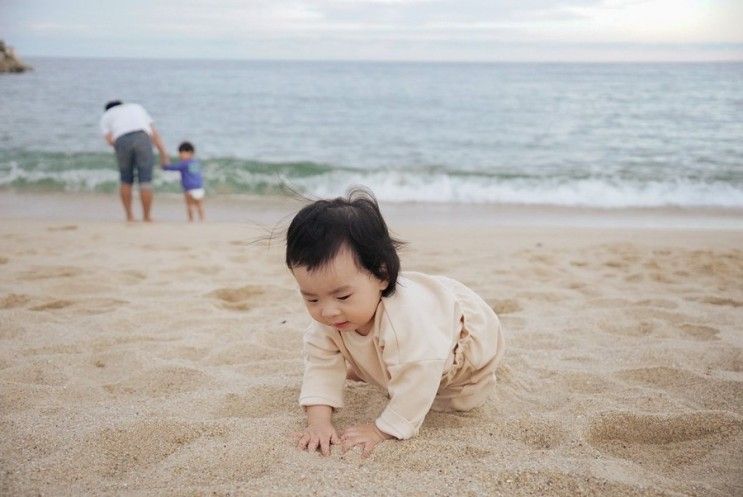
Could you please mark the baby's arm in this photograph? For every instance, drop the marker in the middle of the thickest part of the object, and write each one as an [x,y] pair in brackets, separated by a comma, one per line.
[322,390]
[412,389]
[320,432]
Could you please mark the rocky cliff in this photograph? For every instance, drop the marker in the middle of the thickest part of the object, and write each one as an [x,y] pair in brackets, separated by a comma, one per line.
[9,62]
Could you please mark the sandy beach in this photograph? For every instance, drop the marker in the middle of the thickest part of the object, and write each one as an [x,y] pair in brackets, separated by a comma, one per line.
[164,359]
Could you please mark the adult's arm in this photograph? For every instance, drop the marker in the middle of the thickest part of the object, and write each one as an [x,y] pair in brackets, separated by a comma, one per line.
[109,138]
[160,145]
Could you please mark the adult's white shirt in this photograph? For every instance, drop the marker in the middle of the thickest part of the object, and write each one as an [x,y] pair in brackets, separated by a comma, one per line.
[125,118]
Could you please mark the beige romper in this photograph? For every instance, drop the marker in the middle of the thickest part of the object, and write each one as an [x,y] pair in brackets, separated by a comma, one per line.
[434,344]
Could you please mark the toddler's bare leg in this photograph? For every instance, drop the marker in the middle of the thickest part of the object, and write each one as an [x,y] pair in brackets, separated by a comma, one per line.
[188,206]
[200,206]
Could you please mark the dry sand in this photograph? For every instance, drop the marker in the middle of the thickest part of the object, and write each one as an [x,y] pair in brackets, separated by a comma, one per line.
[164,359]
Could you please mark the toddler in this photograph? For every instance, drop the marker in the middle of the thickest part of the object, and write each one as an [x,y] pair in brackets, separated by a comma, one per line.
[191,180]
[428,341]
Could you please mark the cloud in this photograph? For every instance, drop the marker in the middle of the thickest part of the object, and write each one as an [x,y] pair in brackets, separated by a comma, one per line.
[383,28]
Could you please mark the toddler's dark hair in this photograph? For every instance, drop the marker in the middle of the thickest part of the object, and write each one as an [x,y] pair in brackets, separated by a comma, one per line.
[113,103]
[186,147]
[319,231]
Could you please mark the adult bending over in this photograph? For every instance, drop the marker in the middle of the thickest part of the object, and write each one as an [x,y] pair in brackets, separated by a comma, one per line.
[128,129]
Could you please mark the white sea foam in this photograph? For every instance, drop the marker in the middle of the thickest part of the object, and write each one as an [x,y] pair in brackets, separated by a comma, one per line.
[407,186]
[402,187]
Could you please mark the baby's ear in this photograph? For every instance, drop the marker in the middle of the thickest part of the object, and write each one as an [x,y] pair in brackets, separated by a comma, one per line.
[384,279]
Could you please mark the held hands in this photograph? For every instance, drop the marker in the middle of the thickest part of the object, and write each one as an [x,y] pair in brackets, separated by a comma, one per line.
[164,159]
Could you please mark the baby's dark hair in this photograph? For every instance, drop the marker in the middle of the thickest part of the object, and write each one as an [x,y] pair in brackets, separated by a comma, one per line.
[321,229]
[112,103]
[186,147]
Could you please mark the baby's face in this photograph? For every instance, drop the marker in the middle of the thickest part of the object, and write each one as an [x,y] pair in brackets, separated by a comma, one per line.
[341,294]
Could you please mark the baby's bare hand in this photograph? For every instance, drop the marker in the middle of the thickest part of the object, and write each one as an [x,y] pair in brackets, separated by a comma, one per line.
[367,435]
[321,435]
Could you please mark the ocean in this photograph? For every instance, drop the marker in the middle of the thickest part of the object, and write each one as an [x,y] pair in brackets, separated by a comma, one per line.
[593,135]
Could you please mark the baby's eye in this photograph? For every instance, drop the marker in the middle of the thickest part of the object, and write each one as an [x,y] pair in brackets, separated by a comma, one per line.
[311,301]
[344,297]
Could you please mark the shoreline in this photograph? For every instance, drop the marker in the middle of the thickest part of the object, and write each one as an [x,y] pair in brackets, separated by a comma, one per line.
[168,207]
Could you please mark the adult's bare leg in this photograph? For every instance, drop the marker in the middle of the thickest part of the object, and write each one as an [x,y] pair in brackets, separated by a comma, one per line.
[125,191]
[145,195]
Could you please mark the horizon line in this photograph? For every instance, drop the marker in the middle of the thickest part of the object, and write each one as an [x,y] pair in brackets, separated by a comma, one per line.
[392,61]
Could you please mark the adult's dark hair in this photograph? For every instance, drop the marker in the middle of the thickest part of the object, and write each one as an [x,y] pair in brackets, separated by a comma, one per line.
[113,103]
[320,230]
[186,147]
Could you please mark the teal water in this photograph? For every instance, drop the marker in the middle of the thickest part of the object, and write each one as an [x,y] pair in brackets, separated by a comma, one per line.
[604,135]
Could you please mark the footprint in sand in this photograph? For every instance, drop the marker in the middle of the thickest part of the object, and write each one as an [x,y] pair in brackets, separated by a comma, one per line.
[4,260]
[88,306]
[661,303]
[69,227]
[700,332]
[616,264]
[722,301]
[52,305]
[707,391]
[238,299]
[632,328]
[662,441]
[14,300]
[48,272]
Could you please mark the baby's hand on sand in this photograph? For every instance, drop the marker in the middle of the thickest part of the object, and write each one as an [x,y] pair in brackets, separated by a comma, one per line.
[367,435]
[318,435]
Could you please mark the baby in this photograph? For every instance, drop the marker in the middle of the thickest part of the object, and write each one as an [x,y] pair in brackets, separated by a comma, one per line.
[428,341]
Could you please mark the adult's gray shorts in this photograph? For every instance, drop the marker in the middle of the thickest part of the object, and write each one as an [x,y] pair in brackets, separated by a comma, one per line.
[134,154]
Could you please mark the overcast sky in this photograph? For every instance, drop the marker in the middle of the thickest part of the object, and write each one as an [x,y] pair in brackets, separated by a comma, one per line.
[451,30]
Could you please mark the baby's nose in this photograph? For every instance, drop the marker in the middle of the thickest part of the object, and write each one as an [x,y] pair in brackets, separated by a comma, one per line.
[329,311]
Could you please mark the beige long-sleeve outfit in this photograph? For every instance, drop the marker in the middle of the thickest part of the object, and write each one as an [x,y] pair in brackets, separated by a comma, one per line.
[434,344]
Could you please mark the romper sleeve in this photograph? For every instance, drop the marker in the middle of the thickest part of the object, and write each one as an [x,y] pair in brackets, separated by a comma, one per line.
[412,389]
[324,370]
